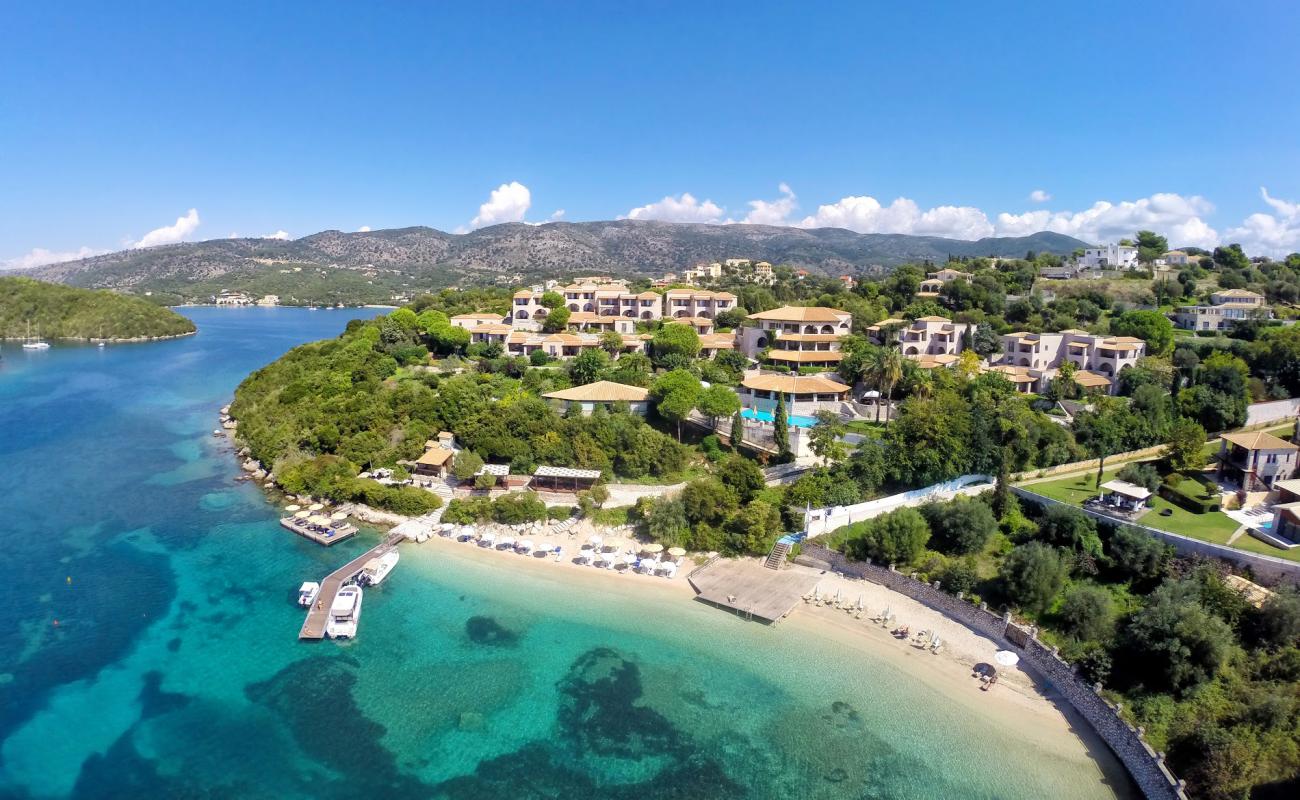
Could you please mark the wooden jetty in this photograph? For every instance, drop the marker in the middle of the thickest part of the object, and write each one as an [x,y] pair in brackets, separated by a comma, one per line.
[335,535]
[751,590]
[314,626]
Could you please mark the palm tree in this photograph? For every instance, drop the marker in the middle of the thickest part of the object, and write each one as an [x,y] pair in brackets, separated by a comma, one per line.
[885,370]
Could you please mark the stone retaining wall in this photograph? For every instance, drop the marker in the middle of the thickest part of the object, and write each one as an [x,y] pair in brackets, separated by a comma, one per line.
[1144,764]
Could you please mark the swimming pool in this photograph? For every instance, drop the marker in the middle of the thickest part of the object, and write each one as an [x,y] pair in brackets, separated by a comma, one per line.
[766,416]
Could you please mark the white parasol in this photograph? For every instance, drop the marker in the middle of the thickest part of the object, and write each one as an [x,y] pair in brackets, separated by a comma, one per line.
[676,551]
[293,507]
[653,547]
[304,514]
[338,515]
[1006,658]
[315,507]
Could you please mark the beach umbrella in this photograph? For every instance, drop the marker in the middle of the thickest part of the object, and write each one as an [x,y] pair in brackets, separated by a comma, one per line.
[304,514]
[315,507]
[338,515]
[613,544]
[595,540]
[653,547]
[859,602]
[317,519]
[676,551]
[294,507]
[1006,658]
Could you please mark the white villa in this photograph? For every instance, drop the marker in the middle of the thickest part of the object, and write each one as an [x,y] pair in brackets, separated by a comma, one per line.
[1111,256]
[696,303]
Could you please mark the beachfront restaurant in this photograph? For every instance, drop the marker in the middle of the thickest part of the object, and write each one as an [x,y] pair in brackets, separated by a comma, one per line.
[564,479]
[435,462]
[805,395]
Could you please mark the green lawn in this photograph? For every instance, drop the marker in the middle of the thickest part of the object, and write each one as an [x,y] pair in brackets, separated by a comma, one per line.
[866,427]
[1211,527]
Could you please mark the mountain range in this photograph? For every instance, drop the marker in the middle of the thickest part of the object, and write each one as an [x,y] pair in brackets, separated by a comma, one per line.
[401,260]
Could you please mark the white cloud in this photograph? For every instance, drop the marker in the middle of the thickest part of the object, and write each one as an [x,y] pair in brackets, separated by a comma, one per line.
[1039,196]
[679,209]
[364,229]
[557,214]
[39,257]
[865,214]
[170,234]
[507,203]
[773,212]
[1177,217]
[1274,235]
[281,235]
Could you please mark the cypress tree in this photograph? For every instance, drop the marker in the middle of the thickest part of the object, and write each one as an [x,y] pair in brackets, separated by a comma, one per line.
[781,432]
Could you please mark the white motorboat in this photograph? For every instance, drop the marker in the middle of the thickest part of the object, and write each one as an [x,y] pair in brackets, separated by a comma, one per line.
[345,613]
[376,569]
[36,345]
[307,593]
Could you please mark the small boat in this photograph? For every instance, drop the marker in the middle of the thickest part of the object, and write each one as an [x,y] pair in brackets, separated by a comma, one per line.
[376,569]
[345,613]
[34,344]
[307,593]
[101,344]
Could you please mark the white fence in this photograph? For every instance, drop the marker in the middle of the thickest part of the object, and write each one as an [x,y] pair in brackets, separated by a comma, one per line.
[817,521]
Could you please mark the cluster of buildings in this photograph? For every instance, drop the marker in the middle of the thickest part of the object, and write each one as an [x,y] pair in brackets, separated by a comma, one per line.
[757,272]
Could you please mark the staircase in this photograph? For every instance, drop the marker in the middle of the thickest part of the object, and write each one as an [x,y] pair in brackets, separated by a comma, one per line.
[777,557]
[444,492]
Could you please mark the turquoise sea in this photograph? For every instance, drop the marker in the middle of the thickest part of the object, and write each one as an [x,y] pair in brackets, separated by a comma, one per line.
[150,648]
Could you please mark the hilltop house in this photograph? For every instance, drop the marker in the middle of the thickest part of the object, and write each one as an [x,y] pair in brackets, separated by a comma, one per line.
[1227,307]
[935,281]
[1111,256]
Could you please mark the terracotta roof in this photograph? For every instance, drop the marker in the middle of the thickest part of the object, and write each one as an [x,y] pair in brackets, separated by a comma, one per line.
[480,315]
[805,356]
[1237,293]
[579,317]
[495,327]
[1013,374]
[1259,440]
[801,314]
[885,322]
[436,456]
[944,320]
[718,341]
[809,337]
[1088,379]
[523,293]
[794,384]
[927,361]
[600,392]
[648,296]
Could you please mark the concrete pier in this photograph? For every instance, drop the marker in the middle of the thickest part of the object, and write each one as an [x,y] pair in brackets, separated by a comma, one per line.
[314,626]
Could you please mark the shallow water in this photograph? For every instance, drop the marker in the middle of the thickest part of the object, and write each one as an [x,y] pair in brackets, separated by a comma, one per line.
[155,649]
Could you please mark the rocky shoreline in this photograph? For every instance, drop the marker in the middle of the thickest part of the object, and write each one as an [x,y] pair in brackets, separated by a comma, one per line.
[105,340]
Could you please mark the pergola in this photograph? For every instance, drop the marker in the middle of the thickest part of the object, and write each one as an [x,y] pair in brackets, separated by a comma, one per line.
[565,479]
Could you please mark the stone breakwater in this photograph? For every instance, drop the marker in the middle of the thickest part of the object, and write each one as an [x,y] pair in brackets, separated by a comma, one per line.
[1146,766]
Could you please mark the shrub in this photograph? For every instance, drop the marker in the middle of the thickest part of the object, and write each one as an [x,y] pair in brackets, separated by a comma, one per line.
[963,525]
[556,513]
[517,507]
[1140,474]
[898,537]
[1087,613]
[1033,574]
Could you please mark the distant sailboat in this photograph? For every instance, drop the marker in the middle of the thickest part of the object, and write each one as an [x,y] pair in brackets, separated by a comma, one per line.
[34,344]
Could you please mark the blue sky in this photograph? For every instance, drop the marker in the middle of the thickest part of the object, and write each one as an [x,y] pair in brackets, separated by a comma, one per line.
[937,118]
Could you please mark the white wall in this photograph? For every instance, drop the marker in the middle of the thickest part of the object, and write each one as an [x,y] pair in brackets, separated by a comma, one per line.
[821,520]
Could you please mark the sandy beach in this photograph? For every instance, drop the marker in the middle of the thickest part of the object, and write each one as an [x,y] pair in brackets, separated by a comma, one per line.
[1017,703]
